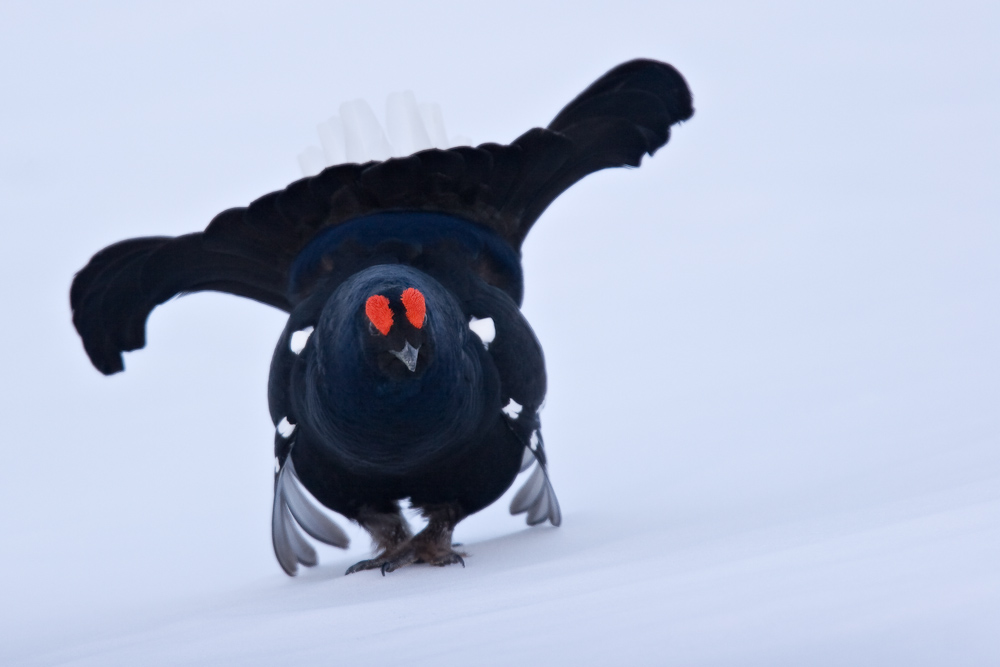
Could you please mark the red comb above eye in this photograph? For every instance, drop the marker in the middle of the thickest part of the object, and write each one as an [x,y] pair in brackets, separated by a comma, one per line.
[416,309]
[377,310]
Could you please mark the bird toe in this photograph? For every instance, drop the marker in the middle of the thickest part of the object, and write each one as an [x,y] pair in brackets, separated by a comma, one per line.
[402,559]
[448,559]
[371,564]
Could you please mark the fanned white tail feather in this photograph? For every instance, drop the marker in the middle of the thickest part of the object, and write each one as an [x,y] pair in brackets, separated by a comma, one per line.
[355,135]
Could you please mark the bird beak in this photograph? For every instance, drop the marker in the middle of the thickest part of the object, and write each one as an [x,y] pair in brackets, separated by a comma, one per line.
[408,355]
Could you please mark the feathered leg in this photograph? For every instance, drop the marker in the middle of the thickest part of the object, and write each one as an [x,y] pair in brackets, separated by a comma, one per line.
[432,545]
[389,531]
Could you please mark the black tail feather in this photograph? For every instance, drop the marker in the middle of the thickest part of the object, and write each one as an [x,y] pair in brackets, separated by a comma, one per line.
[621,117]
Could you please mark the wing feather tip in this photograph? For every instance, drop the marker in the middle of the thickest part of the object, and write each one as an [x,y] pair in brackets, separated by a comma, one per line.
[538,499]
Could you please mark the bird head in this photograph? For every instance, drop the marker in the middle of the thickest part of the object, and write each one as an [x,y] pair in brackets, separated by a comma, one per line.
[397,338]
[392,374]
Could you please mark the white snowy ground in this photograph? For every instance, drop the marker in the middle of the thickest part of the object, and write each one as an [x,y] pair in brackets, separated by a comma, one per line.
[773,349]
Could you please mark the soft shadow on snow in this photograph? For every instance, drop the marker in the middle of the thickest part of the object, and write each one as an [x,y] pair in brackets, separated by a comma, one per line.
[599,590]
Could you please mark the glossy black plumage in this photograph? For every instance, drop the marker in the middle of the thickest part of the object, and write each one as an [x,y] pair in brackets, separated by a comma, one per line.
[364,425]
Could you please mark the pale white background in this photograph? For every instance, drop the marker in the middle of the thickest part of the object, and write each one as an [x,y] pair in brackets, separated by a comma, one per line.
[773,349]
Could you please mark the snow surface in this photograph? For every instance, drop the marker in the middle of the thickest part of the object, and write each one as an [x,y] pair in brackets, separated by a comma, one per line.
[774,371]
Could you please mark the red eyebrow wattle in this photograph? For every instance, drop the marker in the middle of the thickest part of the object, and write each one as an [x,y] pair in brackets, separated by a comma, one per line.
[416,309]
[377,310]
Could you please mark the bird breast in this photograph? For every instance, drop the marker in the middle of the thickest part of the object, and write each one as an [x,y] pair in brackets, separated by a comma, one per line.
[376,422]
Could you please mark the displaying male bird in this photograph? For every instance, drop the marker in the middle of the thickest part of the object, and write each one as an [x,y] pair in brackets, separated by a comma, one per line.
[379,388]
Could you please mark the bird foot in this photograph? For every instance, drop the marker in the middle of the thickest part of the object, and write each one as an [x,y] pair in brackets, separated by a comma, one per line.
[415,550]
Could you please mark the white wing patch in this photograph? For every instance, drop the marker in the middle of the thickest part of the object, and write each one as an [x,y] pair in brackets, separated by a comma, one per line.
[485,329]
[285,428]
[297,341]
[512,409]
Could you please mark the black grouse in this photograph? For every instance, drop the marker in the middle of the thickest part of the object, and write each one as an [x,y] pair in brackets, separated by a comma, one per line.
[380,390]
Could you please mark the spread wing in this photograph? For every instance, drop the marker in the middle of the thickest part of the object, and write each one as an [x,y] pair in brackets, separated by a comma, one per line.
[249,251]
[113,295]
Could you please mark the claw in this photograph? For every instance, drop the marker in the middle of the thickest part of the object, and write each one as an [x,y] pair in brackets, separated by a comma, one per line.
[363,565]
